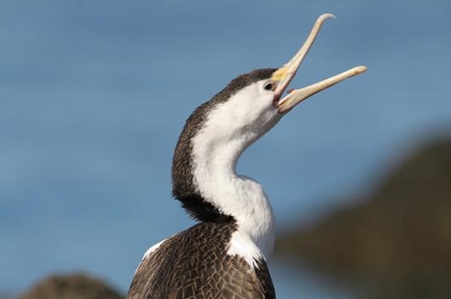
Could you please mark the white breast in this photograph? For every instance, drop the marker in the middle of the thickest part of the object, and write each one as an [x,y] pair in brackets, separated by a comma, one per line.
[229,129]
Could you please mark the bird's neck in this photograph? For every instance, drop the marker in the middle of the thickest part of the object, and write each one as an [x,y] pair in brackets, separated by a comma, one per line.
[213,164]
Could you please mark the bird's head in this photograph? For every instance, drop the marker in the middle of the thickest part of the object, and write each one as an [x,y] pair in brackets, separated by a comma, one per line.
[255,101]
[243,111]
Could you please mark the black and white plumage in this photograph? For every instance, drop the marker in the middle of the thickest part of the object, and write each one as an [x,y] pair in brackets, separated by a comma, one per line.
[225,255]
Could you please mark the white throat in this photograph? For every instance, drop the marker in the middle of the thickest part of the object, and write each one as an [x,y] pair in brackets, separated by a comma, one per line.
[228,130]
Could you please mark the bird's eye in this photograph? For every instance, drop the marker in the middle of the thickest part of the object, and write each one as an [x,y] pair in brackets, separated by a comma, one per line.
[269,85]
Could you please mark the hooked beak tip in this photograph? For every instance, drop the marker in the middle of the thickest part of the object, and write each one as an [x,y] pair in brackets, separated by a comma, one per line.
[284,75]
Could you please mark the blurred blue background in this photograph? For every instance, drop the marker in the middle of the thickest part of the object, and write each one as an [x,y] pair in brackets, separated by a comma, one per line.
[93,95]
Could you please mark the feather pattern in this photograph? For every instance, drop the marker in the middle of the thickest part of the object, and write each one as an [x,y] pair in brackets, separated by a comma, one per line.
[194,264]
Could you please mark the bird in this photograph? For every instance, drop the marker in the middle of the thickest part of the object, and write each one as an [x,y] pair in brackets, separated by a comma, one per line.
[225,254]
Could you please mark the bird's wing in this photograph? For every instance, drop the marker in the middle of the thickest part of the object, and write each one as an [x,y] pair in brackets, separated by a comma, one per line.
[195,265]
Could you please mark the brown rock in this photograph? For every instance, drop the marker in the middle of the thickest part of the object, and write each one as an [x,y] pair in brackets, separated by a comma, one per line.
[405,228]
[73,286]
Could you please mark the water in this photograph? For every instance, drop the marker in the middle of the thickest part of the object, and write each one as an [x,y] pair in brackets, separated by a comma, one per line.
[93,96]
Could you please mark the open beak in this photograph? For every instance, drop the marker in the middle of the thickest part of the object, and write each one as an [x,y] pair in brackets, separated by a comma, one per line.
[285,74]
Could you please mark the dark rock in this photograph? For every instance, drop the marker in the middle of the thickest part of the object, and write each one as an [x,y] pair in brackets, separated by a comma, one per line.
[73,286]
[403,229]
